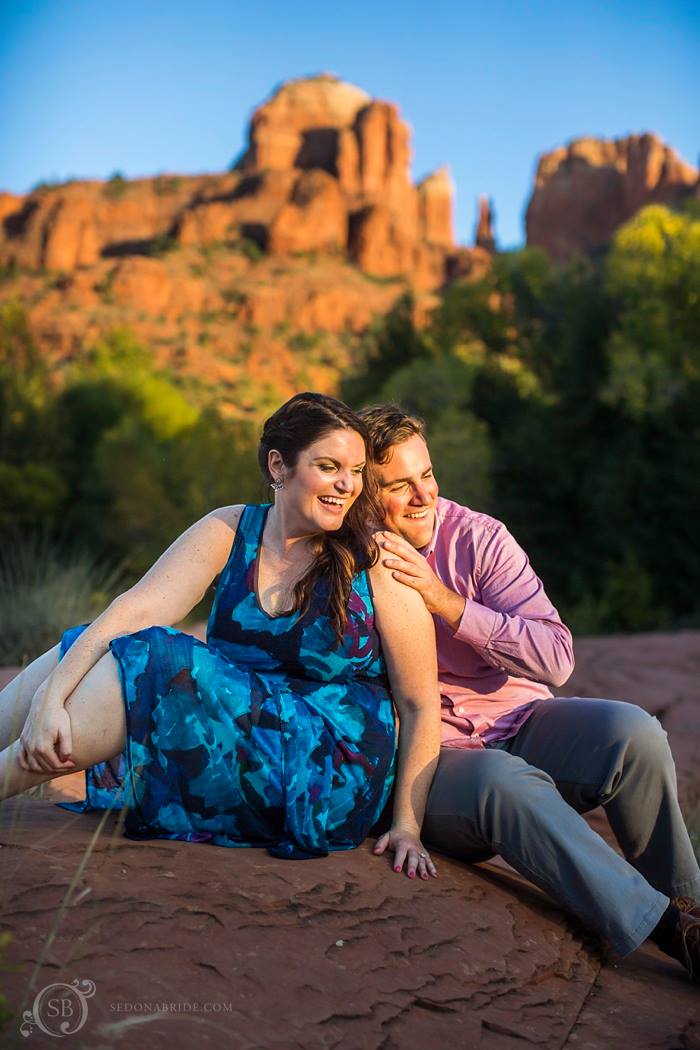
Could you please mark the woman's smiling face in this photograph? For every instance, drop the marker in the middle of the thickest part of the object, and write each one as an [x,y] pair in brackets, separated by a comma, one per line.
[326,480]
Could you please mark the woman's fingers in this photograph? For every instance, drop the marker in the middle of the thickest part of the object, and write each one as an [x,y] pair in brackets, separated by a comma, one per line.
[64,746]
[44,758]
[415,857]
[412,863]
[426,868]
[400,857]
[22,757]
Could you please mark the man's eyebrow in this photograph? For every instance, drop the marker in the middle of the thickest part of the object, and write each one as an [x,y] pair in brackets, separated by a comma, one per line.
[400,481]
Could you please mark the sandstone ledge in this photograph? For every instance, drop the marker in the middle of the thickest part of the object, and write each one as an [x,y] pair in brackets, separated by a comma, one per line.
[341,952]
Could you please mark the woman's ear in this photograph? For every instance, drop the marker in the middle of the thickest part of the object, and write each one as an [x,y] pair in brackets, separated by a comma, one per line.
[275,465]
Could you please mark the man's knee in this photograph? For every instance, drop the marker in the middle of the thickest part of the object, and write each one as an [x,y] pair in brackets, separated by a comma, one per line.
[638,733]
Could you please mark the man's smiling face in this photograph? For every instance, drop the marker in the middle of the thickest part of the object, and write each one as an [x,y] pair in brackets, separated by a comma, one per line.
[409,491]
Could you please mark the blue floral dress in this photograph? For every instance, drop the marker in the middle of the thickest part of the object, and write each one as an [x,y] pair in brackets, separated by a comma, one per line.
[270,734]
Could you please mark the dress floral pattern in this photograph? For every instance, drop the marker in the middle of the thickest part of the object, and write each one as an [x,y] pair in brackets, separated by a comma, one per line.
[270,734]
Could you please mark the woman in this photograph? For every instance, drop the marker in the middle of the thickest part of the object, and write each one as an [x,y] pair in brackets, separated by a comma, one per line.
[280,730]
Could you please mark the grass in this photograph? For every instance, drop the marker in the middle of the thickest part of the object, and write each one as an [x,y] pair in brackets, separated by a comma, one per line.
[693,826]
[45,588]
[6,1012]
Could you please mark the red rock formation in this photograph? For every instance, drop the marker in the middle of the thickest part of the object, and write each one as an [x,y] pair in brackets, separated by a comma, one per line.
[484,236]
[435,196]
[300,125]
[324,183]
[314,218]
[320,152]
[73,225]
[585,190]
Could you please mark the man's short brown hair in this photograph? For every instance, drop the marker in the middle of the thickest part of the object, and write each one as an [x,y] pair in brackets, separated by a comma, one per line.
[389,425]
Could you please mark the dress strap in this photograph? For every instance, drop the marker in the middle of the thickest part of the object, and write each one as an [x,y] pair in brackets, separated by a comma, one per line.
[361,585]
[252,523]
[247,538]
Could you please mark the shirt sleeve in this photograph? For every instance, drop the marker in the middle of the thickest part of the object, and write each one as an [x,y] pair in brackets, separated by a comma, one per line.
[514,626]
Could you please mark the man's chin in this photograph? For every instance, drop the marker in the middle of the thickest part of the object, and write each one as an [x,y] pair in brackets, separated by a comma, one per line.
[419,532]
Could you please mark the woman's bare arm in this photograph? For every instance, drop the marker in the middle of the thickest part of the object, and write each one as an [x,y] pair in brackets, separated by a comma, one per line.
[173,585]
[408,642]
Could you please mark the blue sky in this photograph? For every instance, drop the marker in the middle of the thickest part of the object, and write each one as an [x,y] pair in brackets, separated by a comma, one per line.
[90,88]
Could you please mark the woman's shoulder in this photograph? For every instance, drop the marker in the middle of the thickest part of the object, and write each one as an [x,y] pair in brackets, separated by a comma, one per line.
[396,598]
[230,515]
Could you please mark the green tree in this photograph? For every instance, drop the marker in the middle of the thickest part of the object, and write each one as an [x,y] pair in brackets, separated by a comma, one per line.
[653,272]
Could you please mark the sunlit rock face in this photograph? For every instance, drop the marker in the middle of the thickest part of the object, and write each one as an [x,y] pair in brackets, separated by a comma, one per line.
[326,169]
[585,190]
[262,275]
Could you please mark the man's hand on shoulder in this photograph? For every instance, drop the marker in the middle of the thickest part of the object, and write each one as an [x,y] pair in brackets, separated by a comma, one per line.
[411,568]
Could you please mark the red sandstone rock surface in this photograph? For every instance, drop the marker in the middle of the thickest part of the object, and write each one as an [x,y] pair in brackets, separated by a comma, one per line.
[585,190]
[340,952]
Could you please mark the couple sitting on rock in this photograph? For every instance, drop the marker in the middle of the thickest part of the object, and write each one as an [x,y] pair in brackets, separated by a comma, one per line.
[280,731]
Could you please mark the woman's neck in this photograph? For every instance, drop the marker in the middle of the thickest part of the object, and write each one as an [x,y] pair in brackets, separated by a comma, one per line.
[280,535]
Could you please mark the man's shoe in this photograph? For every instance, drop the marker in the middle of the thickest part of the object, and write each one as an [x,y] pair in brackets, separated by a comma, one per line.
[686,904]
[685,944]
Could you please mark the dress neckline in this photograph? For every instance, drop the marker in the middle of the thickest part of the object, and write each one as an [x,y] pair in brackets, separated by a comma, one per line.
[256,570]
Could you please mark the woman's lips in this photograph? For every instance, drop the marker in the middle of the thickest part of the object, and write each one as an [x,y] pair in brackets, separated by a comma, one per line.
[335,508]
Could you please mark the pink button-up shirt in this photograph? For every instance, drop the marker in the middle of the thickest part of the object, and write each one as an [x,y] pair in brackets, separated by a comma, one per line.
[510,643]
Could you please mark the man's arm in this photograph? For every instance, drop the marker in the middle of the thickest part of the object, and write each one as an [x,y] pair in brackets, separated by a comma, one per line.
[513,625]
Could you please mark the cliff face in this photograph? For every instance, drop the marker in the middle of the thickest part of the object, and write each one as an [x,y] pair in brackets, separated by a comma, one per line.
[585,190]
[326,169]
[254,278]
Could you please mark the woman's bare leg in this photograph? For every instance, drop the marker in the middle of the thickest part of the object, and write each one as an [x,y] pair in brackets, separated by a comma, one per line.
[98,728]
[16,698]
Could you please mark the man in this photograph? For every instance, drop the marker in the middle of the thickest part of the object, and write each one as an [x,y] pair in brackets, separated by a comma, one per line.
[516,767]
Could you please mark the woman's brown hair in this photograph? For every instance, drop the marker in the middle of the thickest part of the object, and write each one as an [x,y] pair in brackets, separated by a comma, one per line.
[338,555]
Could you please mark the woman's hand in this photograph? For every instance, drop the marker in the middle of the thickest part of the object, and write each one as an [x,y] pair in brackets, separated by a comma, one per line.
[407,848]
[46,741]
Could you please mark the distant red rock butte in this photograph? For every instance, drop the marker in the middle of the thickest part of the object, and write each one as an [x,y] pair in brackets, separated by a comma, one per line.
[585,190]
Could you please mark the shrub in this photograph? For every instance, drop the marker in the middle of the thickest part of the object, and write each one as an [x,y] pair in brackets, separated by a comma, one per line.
[164,185]
[250,249]
[116,186]
[162,244]
[46,587]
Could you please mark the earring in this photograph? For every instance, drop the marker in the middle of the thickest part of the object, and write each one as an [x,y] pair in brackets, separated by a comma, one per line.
[277,484]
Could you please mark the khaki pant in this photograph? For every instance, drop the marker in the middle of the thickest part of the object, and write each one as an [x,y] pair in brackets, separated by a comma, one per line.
[522,798]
